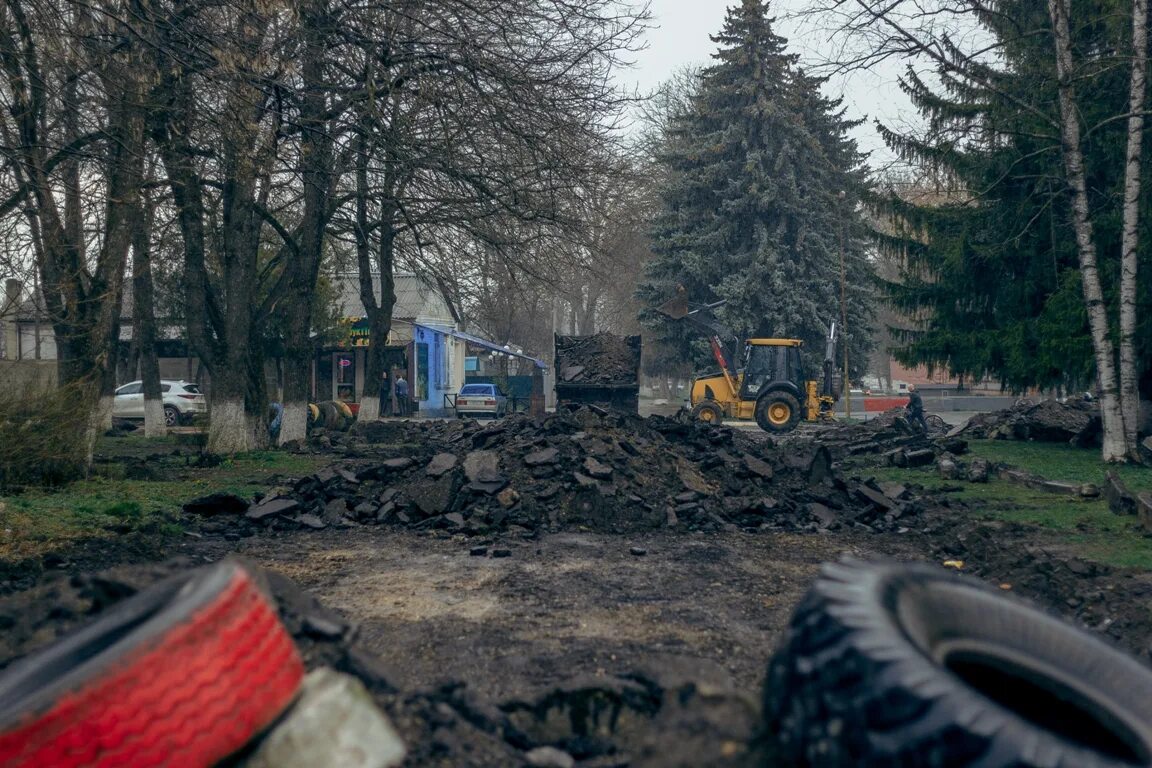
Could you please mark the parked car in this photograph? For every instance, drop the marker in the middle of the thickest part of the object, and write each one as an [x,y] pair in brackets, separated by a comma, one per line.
[183,400]
[481,400]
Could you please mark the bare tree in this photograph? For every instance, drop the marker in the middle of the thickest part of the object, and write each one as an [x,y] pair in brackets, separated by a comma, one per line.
[74,141]
[238,124]
[481,119]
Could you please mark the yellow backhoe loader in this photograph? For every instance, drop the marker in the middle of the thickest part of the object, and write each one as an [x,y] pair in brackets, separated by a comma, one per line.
[770,387]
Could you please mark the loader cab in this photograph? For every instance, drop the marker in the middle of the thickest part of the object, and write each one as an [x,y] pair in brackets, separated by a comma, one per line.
[769,363]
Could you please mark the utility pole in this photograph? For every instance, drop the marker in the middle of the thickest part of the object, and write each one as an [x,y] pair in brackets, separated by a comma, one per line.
[847,385]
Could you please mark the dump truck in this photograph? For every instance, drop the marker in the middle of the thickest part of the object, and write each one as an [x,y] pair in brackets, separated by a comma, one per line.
[602,369]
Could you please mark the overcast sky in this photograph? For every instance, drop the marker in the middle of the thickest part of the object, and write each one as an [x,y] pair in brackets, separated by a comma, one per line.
[680,36]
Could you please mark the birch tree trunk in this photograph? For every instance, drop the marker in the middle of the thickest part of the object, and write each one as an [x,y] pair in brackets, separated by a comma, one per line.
[1115,446]
[1133,165]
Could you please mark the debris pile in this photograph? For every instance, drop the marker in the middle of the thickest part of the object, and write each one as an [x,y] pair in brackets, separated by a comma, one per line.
[1075,421]
[585,468]
[891,435]
[1087,593]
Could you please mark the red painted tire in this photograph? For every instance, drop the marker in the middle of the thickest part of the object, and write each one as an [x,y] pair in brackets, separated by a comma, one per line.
[181,675]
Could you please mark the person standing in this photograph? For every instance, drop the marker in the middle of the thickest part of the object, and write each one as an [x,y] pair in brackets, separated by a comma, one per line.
[385,394]
[402,396]
[916,408]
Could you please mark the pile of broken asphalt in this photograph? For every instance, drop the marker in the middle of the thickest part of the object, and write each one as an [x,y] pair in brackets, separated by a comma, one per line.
[586,469]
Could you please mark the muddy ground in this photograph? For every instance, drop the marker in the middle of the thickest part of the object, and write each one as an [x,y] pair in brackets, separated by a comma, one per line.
[617,649]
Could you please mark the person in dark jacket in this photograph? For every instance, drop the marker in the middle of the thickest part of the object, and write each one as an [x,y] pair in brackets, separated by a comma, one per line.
[401,396]
[385,395]
[916,409]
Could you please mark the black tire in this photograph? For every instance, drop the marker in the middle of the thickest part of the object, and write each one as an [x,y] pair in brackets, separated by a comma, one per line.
[895,665]
[708,412]
[171,416]
[935,423]
[778,412]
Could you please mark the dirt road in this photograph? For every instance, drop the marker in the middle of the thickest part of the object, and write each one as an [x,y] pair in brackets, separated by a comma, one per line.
[566,604]
[565,619]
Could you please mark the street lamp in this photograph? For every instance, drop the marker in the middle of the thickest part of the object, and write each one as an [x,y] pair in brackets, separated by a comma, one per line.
[844,315]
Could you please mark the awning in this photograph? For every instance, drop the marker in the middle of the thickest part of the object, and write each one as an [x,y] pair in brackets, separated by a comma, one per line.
[492,346]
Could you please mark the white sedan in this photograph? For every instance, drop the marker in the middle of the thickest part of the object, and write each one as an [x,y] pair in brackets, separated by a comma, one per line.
[481,400]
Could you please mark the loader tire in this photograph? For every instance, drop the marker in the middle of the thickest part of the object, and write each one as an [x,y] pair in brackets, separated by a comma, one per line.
[182,674]
[778,412]
[896,665]
[330,417]
[347,418]
[708,412]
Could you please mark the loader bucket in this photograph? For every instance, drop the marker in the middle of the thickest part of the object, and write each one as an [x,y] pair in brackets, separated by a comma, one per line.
[676,307]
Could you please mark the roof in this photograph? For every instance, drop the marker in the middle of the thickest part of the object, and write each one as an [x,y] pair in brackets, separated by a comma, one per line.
[493,346]
[415,298]
[32,308]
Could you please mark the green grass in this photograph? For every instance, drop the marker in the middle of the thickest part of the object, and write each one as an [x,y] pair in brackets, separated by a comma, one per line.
[1057,461]
[1084,526]
[35,521]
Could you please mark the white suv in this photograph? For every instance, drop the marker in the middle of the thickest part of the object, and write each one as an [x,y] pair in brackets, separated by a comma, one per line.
[182,401]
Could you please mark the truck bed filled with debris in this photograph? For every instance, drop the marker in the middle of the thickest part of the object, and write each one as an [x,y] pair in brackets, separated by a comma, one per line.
[601,369]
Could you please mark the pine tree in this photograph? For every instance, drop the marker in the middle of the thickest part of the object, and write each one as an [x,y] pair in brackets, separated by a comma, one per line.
[763,188]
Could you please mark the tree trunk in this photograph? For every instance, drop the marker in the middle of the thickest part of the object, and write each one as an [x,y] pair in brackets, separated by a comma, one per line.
[589,301]
[379,321]
[297,381]
[239,423]
[1133,166]
[225,320]
[316,172]
[144,323]
[1115,447]
[379,313]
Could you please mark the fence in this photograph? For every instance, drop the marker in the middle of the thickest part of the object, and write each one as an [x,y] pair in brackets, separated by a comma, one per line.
[19,376]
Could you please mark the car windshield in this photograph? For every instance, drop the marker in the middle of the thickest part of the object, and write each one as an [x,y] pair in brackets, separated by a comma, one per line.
[477,389]
[193,388]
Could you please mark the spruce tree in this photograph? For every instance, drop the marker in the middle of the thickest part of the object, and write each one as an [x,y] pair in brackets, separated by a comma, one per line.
[993,272]
[762,187]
